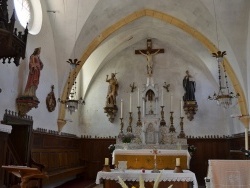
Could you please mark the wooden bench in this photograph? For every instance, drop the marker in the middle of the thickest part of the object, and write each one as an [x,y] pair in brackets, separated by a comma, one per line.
[62,174]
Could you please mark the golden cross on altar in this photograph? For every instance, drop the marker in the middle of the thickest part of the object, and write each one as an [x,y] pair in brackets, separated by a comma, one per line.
[149,53]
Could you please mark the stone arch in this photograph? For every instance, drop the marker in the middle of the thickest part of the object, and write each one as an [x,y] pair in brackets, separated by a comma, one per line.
[166,18]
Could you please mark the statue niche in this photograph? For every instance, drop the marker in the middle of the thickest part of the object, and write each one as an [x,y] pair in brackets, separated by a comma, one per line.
[150,102]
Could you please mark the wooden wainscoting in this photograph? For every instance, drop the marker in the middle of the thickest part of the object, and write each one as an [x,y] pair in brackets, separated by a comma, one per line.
[236,143]
[207,148]
[94,151]
[3,146]
[60,155]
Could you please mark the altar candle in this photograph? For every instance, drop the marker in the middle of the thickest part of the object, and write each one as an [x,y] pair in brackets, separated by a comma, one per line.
[246,138]
[138,97]
[106,161]
[171,101]
[130,102]
[181,108]
[155,157]
[178,162]
[162,97]
[121,107]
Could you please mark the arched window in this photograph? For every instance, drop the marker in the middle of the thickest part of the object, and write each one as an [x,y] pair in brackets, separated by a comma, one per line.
[29,12]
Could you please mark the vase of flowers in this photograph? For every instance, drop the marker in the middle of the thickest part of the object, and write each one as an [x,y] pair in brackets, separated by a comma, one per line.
[111,148]
[126,139]
[191,149]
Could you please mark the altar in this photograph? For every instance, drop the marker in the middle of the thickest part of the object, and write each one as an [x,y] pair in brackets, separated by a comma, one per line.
[186,179]
[144,158]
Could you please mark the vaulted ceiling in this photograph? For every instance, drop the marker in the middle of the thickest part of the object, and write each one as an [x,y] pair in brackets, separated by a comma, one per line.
[97,30]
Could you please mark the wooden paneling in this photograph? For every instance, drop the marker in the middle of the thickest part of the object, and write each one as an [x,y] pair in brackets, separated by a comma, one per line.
[207,149]
[59,154]
[94,151]
[3,146]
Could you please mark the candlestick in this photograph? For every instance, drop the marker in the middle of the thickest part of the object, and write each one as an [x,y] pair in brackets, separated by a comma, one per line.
[139,123]
[163,122]
[106,161]
[129,128]
[182,134]
[121,132]
[171,128]
[121,107]
[171,101]
[178,162]
[130,102]
[181,108]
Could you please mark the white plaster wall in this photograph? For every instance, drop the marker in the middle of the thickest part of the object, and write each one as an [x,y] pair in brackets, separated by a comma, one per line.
[169,67]
[13,79]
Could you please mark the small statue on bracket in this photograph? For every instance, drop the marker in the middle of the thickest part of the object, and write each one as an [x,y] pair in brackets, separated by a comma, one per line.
[190,105]
[111,107]
[29,99]
[51,100]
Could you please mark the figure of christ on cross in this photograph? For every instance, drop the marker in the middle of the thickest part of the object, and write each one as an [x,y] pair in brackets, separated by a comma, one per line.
[149,53]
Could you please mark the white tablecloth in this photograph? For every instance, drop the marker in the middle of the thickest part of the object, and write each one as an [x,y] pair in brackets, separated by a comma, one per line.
[148,176]
[229,173]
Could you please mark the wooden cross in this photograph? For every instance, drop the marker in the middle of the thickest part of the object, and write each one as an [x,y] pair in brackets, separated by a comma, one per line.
[149,53]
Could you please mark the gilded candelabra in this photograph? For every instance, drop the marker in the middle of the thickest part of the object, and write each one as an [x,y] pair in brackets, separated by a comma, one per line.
[182,134]
[163,122]
[121,125]
[129,129]
[139,117]
[171,128]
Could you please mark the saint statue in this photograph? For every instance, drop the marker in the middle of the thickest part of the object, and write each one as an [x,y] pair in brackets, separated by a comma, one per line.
[189,87]
[112,89]
[35,66]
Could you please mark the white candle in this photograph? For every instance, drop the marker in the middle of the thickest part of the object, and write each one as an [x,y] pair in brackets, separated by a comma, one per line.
[106,161]
[130,102]
[121,107]
[246,138]
[178,162]
[162,97]
[138,97]
[181,108]
[171,103]
[155,157]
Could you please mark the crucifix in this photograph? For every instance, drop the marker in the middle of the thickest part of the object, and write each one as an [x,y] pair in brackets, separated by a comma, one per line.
[149,53]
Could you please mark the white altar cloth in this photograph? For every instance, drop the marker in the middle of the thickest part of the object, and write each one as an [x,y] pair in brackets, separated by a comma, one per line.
[148,176]
[229,173]
[149,152]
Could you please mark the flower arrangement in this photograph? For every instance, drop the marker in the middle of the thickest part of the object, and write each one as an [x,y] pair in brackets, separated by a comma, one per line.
[191,149]
[127,138]
[111,148]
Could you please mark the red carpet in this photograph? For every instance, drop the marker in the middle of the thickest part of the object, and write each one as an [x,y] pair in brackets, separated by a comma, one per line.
[78,183]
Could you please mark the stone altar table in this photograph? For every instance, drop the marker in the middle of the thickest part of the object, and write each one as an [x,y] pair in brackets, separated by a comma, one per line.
[144,158]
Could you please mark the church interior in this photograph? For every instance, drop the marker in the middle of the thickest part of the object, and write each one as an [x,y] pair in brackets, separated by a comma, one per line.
[94,90]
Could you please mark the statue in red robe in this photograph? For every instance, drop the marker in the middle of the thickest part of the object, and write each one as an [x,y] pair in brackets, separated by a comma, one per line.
[35,66]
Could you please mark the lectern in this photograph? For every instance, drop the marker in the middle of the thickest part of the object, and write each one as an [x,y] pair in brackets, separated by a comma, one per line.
[25,173]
